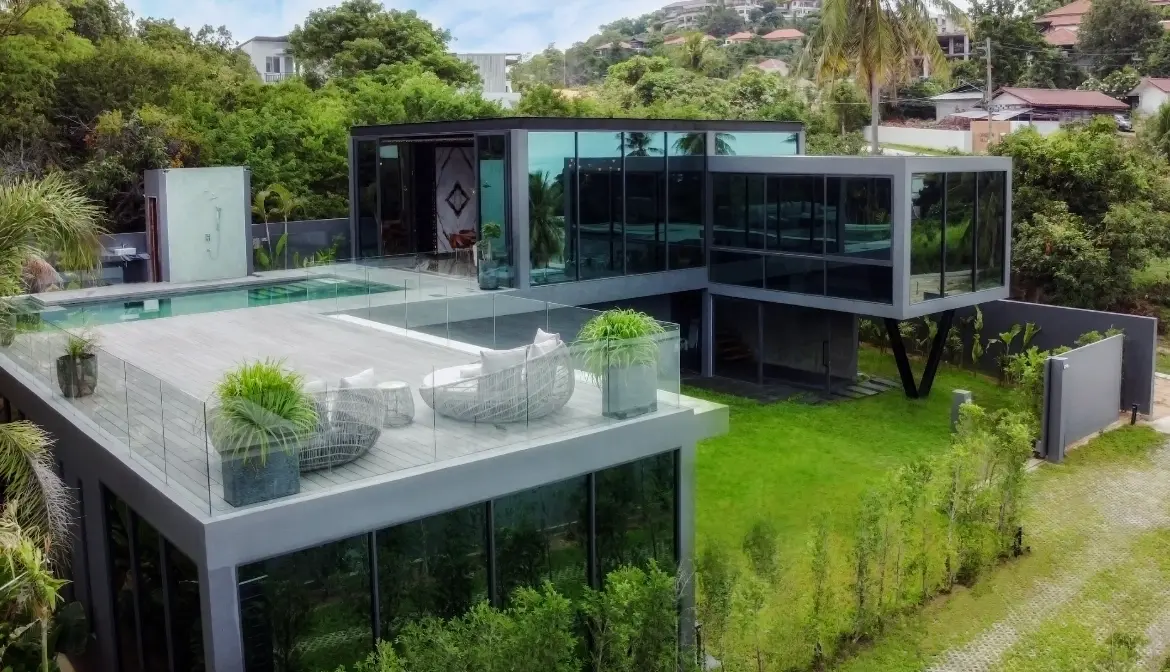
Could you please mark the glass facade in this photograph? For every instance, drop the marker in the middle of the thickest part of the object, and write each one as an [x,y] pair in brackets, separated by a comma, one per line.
[958,231]
[314,610]
[366,167]
[609,203]
[755,144]
[492,155]
[809,234]
[157,617]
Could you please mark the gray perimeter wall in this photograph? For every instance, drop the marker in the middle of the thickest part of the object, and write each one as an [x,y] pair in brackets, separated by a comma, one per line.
[1062,326]
[1081,392]
[307,236]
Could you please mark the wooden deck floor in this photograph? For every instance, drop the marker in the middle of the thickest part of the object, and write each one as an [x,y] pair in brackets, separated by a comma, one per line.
[156,375]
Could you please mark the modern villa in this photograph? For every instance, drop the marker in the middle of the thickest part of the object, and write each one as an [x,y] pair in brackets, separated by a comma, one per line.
[463,443]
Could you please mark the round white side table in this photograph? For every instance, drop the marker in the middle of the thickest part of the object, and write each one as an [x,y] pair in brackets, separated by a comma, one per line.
[399,402]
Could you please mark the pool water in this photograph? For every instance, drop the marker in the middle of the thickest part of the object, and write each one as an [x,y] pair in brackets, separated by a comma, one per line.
[210,301]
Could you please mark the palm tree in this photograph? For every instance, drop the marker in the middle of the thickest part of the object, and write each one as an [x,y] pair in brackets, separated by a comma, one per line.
[29,588]
[693,144]
[286,205]
[45,219]
[545,237]
[878,42]
[640,144]
[696,50]
[261,209]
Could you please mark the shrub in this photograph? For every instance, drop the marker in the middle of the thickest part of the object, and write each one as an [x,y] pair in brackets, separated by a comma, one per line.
[759,545]
[260,404]
[618,338]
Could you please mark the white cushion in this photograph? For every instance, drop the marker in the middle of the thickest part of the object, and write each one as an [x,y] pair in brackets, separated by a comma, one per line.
[363,379]
[541,348]
[471,371]
[542,336]
[447,376]
[494,361]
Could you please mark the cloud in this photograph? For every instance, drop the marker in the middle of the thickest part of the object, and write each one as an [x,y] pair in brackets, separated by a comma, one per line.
[476,25]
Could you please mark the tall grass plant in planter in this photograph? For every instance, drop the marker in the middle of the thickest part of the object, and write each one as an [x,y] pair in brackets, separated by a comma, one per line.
[262,417]
[77,372]
[618,350]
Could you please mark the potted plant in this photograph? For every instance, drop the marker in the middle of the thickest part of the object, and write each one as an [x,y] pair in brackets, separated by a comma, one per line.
[263,415]
[77,370]
[8,325]
[488,278]
[619,352]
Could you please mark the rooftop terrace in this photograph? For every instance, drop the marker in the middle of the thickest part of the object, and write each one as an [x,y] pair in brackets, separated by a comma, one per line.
[156,376]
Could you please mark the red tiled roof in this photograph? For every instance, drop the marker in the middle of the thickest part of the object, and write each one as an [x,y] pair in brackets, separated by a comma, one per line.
[1160,83]
[1078,7]
[785,34]
[679,39]
[1061,37]
[1065,98]
[741,37]
[773,64]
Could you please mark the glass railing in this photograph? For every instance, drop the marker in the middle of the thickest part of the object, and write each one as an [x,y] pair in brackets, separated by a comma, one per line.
[410,377]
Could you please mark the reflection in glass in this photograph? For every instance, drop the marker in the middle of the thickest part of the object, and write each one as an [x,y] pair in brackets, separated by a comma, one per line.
[861,282]
[366,161]
[862,209]
[795,216]
[118,528]
[492,194]
[541,534]
[686,164]
[601,196]
[395,217]
[186,617]
[926,221]
[991,236]
[150,592]
[736,268]
[757,212]
[436,566]
[730,225]
[794,274]
[755,144]
[645,228]
[551,232]
[309,610]
[959,236]
[635,514]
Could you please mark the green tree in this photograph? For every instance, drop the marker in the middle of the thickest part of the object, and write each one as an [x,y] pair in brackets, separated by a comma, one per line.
[1014,37]
[696,52]
[1117,32]
[360,35]
[875,42]
[1116,84]
[1051,68]
[97,20]
[721,22]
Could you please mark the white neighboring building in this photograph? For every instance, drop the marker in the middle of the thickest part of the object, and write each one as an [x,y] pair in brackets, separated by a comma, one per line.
[743,8]
[1151,93]
[959,99]
[685,13]
[270,57]
[495,70]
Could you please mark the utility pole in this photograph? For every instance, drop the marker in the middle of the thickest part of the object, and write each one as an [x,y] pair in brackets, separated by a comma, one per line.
[987,94]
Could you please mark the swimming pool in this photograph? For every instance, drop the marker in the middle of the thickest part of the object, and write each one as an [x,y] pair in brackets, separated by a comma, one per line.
[209,301]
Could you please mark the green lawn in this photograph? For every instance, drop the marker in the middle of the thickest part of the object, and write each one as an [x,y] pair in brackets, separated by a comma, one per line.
[790,462]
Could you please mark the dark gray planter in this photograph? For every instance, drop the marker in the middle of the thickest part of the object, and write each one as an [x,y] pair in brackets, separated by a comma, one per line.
[627,392]
[248,480]
[488,278]
[77,376]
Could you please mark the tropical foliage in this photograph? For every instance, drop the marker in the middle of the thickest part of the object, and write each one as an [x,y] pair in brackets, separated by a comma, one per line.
[618,338]
[261,406]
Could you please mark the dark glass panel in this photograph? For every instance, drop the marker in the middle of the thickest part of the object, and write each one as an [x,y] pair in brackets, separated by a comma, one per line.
[736,268]
[686,308]
[992,235]
[926,222]
[307,611]
[755,144]
[730,226]
[118,526]
[959,237]
[794,274]
[541,534]
[795,221]
[151,596]
[860,282]
[395,218]
[601,198]
[493,204]
[858,217]
[186,617]
[685,230]
[366,165]
[757,211]
[635,510]
[436,566]
[737,339]
[551,231]
[645,202]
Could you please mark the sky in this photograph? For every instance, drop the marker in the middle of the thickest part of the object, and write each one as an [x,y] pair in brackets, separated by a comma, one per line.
[519,26]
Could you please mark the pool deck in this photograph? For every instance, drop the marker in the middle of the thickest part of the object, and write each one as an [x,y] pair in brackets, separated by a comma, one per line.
[156,375]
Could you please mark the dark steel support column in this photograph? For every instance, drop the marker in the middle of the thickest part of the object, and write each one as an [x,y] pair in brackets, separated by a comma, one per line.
[900,357]
[936,351]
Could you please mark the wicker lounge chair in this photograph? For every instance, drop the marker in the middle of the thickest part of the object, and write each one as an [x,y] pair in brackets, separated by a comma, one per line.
[350,421]
[540,386]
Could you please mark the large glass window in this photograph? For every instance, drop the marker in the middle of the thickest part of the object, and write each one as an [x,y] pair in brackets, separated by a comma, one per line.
[685,232]
[927,194]
[755,144]
[635,514]
[541,534]
[802,275]
[552,233]
[992,232]
[601,189]
[436,566]
[861,216]
[730,226]
[151,596]
[493,204]
[795,217]
[737,268]
[861,282]
[646,187]
[309,610]
[366,161]
[186,614]
[395,217]
[118,539]
[959,235]
[737,340]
